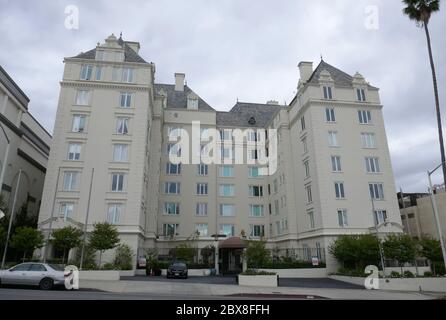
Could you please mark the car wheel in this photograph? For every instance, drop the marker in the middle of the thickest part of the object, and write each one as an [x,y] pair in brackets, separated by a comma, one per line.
[46,284]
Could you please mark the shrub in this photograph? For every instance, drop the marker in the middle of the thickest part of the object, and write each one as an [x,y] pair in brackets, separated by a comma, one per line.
[183,252]
[108,266]
[89,262]
[395,274]
[123,257]
[104,237]
[428,274]
[356,251]
[251,272]
[408,274]
[256,254]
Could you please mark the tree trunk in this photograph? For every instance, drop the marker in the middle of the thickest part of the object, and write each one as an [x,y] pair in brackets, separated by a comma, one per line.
[100,258]
[437,101]
[63,256]
[24,256]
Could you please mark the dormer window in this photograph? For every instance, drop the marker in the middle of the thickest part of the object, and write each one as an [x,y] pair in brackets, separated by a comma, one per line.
[327,93]
[192,103]
[360,94]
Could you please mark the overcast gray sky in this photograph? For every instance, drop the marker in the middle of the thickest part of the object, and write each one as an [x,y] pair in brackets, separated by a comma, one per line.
[248,50]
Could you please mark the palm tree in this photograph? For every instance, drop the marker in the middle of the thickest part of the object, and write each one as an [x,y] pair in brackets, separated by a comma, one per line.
[421,11]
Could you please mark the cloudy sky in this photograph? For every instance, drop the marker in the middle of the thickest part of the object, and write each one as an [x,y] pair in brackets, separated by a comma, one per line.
[248,50]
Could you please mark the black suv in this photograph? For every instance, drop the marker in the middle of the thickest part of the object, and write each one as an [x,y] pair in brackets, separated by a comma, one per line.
[177,269]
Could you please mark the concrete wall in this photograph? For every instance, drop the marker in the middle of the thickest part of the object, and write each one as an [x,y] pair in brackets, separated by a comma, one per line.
[299,273]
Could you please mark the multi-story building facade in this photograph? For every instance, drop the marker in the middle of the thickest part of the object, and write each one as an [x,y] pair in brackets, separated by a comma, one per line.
[118,133]
[24,150]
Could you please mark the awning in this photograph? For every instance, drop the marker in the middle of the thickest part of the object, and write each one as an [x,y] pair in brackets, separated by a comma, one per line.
[232,243]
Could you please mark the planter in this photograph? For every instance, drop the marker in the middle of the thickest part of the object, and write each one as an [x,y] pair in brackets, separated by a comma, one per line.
[258,280]
[299,273]
[402,284]
[102,275]
[126,273]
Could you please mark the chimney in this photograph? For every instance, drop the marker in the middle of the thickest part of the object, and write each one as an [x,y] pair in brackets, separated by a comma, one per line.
[305,70]
[179,81]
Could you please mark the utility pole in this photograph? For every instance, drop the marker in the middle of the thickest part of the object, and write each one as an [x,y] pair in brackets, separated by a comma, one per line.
[47,241]
[375,220]
[86,222]
[11,219]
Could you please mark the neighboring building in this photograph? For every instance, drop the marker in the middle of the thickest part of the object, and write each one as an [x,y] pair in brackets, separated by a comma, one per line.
[417,214]
[332,156]
[27,151]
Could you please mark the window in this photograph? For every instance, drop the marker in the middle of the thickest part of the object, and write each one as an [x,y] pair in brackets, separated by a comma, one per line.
[327,93]
[372,165]
[307,169]
[98,73]
[333,139]
[172,208]
[117,182]
[330,115]
[202,169]
[170,229]
[226,171]
[127,75]
[74,151]
[226,190]
[309,195]
[125,100]
[70,180]
[66,210]
[256,210]
[336,164]
[86,72]
[368,140]
[83,97]
[275,186]
[302,123]
[227,229]
[122,126]
[278,228]
[256,191]
[339,190]
[376,191]
[201,209]
[342,218]
[360,94]
[253,154]
[227,210]
[380,216]
[38,267]
[78,123]
[257,230]
[174,149]
[226,153]
[311,219]
[173,168]
[304,145]
[202,229]
[174,133]
[365,117]
[276,207]
[192,104]
[120,152]
[202,188]
[114,213]
[172,188]
[253,136]
[226,134]
[253,172]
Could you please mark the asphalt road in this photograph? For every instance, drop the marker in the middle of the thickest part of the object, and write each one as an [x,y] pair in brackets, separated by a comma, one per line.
[26,293]
[283,282]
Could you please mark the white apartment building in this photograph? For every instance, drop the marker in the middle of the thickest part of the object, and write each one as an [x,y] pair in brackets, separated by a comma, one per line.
[24,150]
[111,157]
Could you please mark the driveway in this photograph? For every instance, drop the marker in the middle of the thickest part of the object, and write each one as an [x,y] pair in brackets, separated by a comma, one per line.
[228,280]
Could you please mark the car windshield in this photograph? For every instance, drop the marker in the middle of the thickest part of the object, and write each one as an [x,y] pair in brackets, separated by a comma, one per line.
[57,267]
[179,264]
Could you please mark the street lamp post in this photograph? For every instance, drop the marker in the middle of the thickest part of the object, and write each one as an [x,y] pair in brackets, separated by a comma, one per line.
[375,220]
[435,209]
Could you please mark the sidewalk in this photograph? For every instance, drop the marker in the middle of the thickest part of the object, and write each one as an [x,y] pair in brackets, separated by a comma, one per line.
[216,290]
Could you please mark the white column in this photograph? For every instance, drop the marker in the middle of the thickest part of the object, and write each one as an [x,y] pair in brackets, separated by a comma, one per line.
[4,102]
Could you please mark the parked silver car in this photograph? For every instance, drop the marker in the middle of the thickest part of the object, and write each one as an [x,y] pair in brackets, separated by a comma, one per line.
[44,275]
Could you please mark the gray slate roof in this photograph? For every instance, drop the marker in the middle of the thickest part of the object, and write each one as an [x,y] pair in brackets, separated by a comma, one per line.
[178,99]
[129,54]
[340,77]
[242,112]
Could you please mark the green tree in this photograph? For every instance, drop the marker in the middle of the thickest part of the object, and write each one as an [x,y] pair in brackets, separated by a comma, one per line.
[66,238]
[89,262]
[401,248]
[421,11]
[27,239]
[123,257]
[430,248]
[23,219]
[183,252]
[256,254]
[104,237]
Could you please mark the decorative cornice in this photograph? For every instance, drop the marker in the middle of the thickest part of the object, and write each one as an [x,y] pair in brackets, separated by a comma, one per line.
[103,85]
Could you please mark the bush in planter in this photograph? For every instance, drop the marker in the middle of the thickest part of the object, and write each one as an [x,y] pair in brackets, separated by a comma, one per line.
[428,274]
[108,266]
[123,257]
[408,274]
[256,254]
[395,274]
[251,272]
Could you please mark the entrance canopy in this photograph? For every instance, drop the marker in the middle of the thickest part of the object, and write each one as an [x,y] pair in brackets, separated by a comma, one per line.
[232,243]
